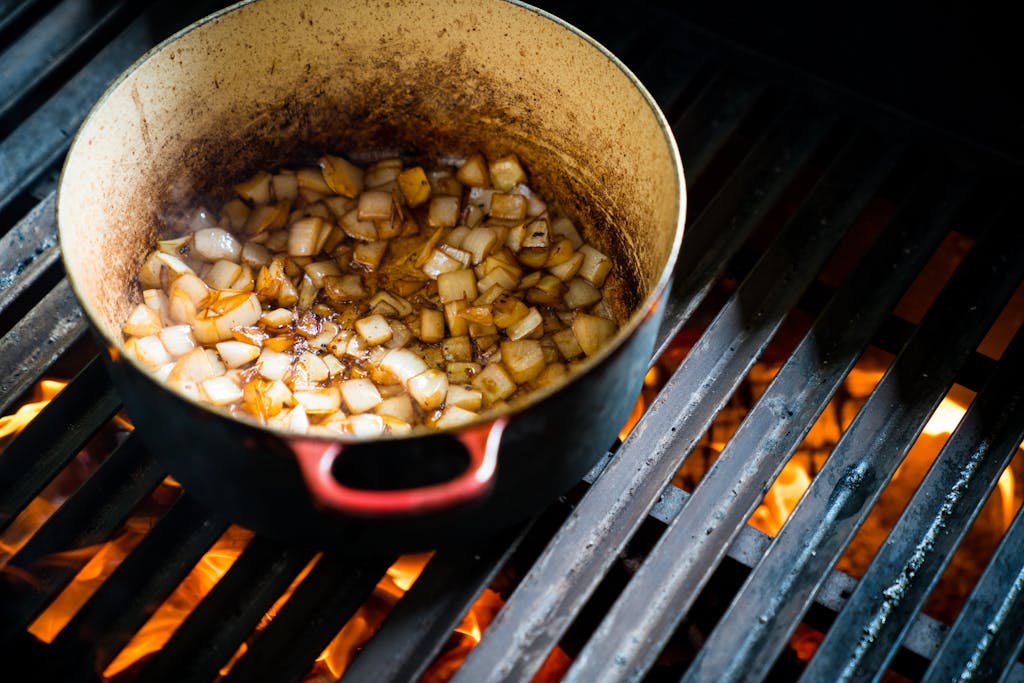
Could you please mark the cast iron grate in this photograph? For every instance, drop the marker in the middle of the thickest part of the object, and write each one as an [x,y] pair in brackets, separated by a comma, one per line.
[750,132]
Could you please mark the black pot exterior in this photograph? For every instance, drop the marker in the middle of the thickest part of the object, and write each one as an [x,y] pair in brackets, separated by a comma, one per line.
[453,88]
[248,476]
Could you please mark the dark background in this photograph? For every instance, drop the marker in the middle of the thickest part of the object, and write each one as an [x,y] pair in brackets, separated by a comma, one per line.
[954,65]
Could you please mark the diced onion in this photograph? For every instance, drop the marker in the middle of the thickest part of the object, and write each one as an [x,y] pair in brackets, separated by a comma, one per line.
[223,274]
[474,172]
[429,388]
[326,400]
[581,294]
[528,325]
[374,205]
[444,212]
[304,235]
[178,339]
[256,189]
[494,383]
[369,254]
[192,287]
[285,186]
[506,173]
[403,364]
[567,344]
[524,359]
[414,185]
[399,407]
[460,396]
[235,354]
[221,391]
[297,420]
[508,206]
[338,301]
[374,329]
[273,364]
[431,325]
[150,351]
[360,395]
[439,262]
[143,321]
[196,366]
[595,266]
[341,175]
[592,332]
[214,244]
[454,416]
[456,285]
[176,265]
[366,426]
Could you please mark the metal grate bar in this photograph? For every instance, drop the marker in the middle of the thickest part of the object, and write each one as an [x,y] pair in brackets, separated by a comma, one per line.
[866,635]
[88,517]
[130,595]
[47,443]
[320,606]
[27,251]
[669,71]
[536,616]
[44,136]
[51,40]
[738,207]
[712,119]
[37,340]
[750,545]
[768,608]
[662,592]
[424,619]
[11,10]
[988,634]
[658,52]
[227,615]
[896,331]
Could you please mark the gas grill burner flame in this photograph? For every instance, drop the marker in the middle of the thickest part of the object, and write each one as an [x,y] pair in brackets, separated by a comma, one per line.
[44,392]
[101,560]
[795,478]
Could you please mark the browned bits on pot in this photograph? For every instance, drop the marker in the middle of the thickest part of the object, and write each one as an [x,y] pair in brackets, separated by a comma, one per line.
[345,301]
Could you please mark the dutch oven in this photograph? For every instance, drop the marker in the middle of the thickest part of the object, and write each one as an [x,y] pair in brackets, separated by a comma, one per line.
[268,83]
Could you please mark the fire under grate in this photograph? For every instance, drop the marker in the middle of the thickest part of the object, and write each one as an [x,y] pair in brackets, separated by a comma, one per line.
[628,577]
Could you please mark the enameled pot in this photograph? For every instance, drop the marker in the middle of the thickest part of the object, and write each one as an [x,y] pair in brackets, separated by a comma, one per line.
[269,83]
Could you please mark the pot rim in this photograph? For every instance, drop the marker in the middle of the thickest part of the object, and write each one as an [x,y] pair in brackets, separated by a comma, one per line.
[645,309]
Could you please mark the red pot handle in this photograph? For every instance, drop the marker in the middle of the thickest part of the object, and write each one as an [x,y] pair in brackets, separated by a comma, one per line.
[316,460]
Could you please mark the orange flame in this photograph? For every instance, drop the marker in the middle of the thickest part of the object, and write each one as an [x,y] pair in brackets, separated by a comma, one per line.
[368,619]
[795,479]
[44,392]
[652,380]
[39,510]
[335,657]
[104,560]
[469,632]
[782,498]
[101,560]
[1006,496]
[944,421]
[159,628]
[945,418]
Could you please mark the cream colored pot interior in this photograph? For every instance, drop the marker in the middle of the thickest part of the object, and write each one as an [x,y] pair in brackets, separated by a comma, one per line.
[278,82]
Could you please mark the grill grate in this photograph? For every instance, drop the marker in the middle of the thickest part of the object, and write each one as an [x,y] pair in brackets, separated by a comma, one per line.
[761,146]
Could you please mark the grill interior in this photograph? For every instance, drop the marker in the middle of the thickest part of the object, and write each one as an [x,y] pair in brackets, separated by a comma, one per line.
[812,213]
